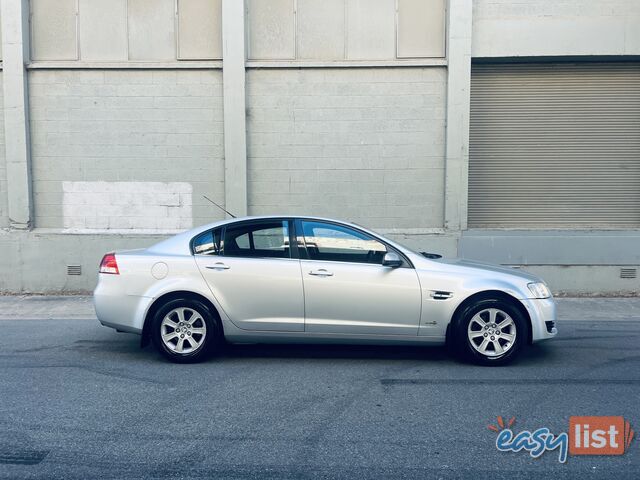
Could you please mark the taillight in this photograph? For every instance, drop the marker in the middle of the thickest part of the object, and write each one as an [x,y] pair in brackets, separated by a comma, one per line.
[109,264]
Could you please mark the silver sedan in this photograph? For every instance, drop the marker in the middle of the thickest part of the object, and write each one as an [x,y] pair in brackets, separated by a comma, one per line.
[282,279]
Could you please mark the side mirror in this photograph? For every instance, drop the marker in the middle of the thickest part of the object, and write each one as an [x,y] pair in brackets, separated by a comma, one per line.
[391,259]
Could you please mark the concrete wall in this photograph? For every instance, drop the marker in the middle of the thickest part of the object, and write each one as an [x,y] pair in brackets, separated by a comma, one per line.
[552,247]
[511,28]
[361,144]
[124,30]
[4,214]
[37,261]
[132,129]
[122,138]
[586,279]
[571,261]
[345,29]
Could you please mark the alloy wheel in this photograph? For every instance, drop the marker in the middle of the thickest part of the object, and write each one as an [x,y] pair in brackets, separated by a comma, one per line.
[183,330]
[492,332]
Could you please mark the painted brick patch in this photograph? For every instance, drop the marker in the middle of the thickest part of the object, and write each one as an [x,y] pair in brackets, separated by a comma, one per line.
[126,206]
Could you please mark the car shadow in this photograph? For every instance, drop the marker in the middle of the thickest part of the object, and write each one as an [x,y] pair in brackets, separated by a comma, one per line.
[537,353]
[533,355]
[324,351]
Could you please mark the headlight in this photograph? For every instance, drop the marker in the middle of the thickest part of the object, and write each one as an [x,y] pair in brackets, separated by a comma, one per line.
[539,290]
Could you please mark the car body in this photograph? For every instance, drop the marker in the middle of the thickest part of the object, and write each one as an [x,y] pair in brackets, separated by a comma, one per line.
[284,279]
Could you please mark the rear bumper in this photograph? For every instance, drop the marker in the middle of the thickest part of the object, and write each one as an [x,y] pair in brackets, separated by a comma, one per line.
[118,310]
[543,318]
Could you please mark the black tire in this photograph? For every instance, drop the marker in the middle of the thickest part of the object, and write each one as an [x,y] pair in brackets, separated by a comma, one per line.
[462,331]
[201,345]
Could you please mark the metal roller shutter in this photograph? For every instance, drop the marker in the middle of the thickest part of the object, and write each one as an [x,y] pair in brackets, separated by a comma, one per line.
[555,146]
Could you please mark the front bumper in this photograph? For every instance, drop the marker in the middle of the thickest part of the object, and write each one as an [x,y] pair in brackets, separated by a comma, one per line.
[543,318]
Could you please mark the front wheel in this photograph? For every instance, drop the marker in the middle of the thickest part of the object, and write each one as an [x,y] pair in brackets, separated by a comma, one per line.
[184,331]
[491,332]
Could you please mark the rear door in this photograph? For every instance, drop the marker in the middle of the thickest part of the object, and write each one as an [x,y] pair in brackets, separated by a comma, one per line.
[347,290]
[254,275]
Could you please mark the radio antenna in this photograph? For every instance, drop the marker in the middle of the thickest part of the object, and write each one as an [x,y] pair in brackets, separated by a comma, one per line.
[232,215]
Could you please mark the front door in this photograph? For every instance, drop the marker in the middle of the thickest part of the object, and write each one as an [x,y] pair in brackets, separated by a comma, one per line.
[253,276]
[347,290]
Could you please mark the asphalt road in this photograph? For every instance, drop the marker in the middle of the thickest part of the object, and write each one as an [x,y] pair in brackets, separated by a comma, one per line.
[78,400]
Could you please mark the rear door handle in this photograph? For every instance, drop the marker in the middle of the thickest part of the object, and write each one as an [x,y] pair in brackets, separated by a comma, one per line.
[218,266]
[321,273]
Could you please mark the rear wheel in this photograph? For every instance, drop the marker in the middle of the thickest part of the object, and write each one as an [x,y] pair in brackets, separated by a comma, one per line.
[185,331]
[491,332]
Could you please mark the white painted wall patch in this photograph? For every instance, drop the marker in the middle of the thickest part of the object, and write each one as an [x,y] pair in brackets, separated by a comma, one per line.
[150,207]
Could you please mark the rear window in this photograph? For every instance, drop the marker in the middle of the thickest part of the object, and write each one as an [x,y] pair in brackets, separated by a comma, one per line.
[257,240]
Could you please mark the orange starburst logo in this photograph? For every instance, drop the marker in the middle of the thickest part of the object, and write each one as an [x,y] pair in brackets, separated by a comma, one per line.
[501,424]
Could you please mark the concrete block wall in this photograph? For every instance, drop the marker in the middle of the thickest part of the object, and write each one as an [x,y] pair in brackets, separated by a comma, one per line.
[134,129]
[380,142]
[362,144]
[4,214]
[586,279]
[512,28]
[36,261]
[127,206]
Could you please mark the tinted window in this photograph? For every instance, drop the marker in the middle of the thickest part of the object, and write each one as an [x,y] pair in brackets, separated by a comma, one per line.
[207,243]
[327,242]
[264,239]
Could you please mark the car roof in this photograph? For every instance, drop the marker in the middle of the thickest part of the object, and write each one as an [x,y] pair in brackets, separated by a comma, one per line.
[267,217]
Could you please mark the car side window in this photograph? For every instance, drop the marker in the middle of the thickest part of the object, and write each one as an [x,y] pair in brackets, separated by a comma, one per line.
[329,242]
[257,240]
[207,243]
[242,241]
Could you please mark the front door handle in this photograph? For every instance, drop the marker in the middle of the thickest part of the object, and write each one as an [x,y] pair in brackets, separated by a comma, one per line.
[218,266]
[321,273]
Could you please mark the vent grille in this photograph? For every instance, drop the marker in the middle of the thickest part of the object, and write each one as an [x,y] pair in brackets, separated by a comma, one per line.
[74,270]
[440,295]
[628,272]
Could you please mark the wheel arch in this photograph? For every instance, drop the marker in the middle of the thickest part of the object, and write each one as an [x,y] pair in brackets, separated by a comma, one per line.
[167,297]
[489,295]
